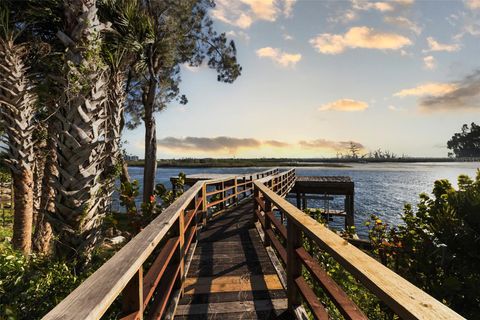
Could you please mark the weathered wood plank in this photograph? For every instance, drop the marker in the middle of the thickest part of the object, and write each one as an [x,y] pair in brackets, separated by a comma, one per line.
[311,299]
[345,305]
[230,307]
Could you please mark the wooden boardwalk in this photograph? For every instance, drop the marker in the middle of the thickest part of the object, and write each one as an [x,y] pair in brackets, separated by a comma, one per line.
[231,275]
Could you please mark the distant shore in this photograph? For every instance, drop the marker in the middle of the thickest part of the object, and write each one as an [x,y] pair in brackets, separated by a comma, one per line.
[272,162]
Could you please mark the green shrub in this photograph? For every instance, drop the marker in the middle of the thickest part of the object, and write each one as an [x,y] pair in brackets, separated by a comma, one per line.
[438,246]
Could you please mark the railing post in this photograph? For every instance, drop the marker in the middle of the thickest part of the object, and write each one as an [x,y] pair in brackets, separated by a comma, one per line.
[181,248]
[204,204]
[222,195]
[133,295]
[349,219]
[268,223]
[236,192]
[294,267]
[256,206]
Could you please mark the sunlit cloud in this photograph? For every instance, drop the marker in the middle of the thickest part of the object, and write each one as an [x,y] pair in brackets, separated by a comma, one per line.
[404,22]
[367,5]
[244,13]
[328,144]
[429,62]
[358,37]
[428,89]
[348,105]
[464,96]
[283,59]
[434,45]
[472,4]
[232,145]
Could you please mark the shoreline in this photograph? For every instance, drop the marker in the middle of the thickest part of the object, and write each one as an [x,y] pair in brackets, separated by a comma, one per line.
[329,163]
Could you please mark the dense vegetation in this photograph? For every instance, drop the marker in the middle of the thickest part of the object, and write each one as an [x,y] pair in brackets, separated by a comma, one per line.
[466,144]
[438,246]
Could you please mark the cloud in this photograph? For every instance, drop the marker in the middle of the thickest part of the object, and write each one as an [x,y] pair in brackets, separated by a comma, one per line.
[429,62]
[358,37]
[434,45]
[230,145]
[288,7]
[365,5]
[243,13]
[216,144]
[465,95]
[282,58]
[404,22]
[239,35]
[344,105]
[428,89]
[328,144]
[472,4]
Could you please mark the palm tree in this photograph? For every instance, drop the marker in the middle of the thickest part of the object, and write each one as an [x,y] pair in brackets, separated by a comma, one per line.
[80,125]
[17,108]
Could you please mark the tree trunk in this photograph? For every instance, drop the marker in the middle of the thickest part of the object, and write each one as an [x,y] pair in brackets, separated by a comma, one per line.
[150,168]
[42,239]
[40,160]
[124,180]
[23,200]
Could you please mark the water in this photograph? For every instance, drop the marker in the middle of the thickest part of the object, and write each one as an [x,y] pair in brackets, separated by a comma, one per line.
[382,189]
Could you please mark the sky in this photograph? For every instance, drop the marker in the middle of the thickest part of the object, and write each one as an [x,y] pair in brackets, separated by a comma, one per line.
[402,76]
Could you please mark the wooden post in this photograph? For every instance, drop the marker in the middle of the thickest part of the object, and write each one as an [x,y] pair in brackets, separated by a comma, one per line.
[204,204]
[181,249]
[256,206]
[268,223]
[304,201]
[294,267]
[236,192]
[222,195]
[299,201]
[349,218]
[133,295]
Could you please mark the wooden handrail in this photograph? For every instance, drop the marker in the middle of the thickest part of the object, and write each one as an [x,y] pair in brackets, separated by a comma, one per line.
[404,298]
[175,228]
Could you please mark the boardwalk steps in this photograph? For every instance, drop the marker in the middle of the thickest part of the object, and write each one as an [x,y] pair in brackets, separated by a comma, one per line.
[231,275]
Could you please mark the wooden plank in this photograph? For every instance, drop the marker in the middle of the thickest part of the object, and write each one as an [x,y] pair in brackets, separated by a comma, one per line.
[277,245]
[166,286]
[231,307]
[190,238]
[93,297]
[132,295]
[405,299]
[232,284]
[345,305]
[261,203]
[278,225]
[310,298]
[294,267]
[155,273]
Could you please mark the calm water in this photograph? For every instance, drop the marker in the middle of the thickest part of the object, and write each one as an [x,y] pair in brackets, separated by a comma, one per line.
[382,189]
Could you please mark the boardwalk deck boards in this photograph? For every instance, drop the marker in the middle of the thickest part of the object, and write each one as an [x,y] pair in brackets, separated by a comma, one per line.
[231,275]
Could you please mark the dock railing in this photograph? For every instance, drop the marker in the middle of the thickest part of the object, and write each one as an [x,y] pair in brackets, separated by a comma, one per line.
[149,271]
[286,228]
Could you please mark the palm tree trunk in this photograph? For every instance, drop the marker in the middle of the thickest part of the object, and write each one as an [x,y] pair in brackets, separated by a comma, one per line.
[80,124]
[150,168]
[42,238]
[23,200]
[17,107]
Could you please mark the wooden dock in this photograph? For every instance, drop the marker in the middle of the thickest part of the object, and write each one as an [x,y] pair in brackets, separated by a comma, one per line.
[231,275]
[203,258]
